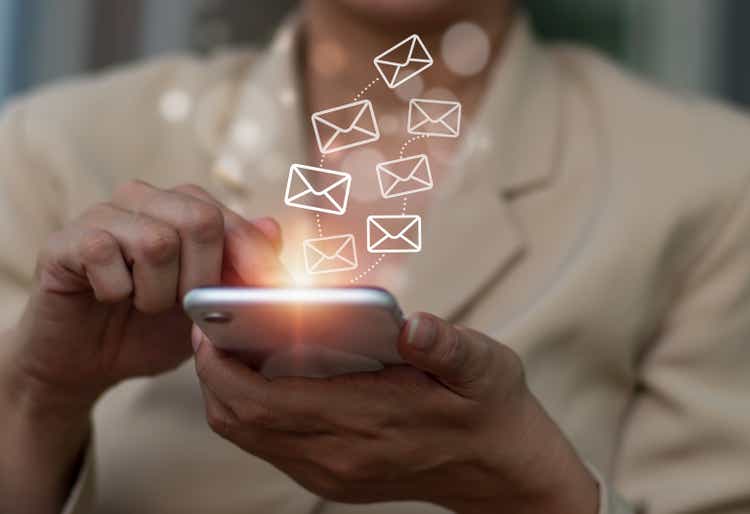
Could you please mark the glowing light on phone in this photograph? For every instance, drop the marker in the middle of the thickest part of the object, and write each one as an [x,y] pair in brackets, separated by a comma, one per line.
[301,279]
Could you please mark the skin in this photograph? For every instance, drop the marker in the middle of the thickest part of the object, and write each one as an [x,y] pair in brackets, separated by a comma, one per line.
[465,431]
[458,428]
[463,399]
[105,307]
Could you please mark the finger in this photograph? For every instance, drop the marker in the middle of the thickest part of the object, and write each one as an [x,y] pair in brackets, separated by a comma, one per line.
[150,247]
[250,248]
[105,267]
[200,225]
[269,444]
[96,256]
[220,417]
[254,399]
[461,359]
[268,227]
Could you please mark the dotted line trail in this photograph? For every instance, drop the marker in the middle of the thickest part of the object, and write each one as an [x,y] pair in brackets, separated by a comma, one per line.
[367,87]
[407,143]
[320,227]
[368,270]
[317,214]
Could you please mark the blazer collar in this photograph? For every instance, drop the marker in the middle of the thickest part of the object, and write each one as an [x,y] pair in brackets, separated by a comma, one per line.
[471,238]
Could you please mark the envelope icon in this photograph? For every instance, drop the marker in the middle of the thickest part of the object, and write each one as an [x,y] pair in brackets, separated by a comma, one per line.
[394,234]
[404,61]
[318,189]
[436,118]
[404,176]
[345,127]
[330,254]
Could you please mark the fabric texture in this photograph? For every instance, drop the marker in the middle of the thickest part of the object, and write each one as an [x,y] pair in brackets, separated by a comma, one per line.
[602,234]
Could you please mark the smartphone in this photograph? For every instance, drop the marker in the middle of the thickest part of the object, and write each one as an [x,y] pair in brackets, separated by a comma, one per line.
[309,332]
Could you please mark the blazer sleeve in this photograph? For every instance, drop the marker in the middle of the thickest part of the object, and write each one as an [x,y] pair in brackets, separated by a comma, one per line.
[28,214]
[685,446]
[30,209]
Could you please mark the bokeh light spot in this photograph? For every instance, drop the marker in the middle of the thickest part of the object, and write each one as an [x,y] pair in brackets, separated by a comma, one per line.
[410,89]
[328,58]
[288,97]
[466,49]
[389,124]
[441,93]
[229,169]
[246,134]
[175,105]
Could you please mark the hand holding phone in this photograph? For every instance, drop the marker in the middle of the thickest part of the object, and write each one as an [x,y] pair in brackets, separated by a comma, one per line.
[301,332]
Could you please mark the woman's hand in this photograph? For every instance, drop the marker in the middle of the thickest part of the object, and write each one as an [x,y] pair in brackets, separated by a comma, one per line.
[458,428]
[105,306]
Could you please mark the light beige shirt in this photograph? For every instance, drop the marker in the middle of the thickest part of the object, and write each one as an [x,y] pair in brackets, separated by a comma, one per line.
[598,226]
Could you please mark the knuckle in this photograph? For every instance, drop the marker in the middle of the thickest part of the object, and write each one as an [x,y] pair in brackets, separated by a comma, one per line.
[49,260]
[204,222]
[348,469]
[130,189]
[96,211]
[114,294]
[326,486]
[220,423]
[202,368]
[452,353]
[191,189]
[159,244]
[258,417]
[98,247]
[53,248]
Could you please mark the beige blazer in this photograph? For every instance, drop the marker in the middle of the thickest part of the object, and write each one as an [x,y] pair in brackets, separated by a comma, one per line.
[598,225]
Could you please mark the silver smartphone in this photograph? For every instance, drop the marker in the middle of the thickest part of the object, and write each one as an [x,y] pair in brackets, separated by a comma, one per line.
[301,332]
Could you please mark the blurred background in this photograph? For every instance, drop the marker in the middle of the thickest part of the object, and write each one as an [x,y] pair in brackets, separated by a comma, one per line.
[691,45]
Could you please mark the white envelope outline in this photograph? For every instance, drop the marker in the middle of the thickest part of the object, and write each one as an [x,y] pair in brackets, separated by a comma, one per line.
[439,127]
[373,222]
[296,173]
[315,257]
[384,60]
[420,184]
[368,136]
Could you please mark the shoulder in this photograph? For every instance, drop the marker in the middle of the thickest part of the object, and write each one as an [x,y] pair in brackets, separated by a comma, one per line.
[667,127]
[132,89]
[116,119]
[679,160]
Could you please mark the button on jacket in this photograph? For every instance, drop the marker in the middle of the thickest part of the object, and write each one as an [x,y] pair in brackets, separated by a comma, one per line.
[600,228]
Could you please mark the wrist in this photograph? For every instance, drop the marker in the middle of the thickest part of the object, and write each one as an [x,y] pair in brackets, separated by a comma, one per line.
[42,439]
[540,474]
[30,397]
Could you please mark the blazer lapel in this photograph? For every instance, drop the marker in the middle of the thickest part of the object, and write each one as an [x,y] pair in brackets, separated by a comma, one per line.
[471,237]
[265,134]
[264,137]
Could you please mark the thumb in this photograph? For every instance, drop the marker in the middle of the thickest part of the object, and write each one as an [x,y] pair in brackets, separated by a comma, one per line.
[460,359]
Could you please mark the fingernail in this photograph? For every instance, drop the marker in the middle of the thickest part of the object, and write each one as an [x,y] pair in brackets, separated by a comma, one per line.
[196,338]
[421,333]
